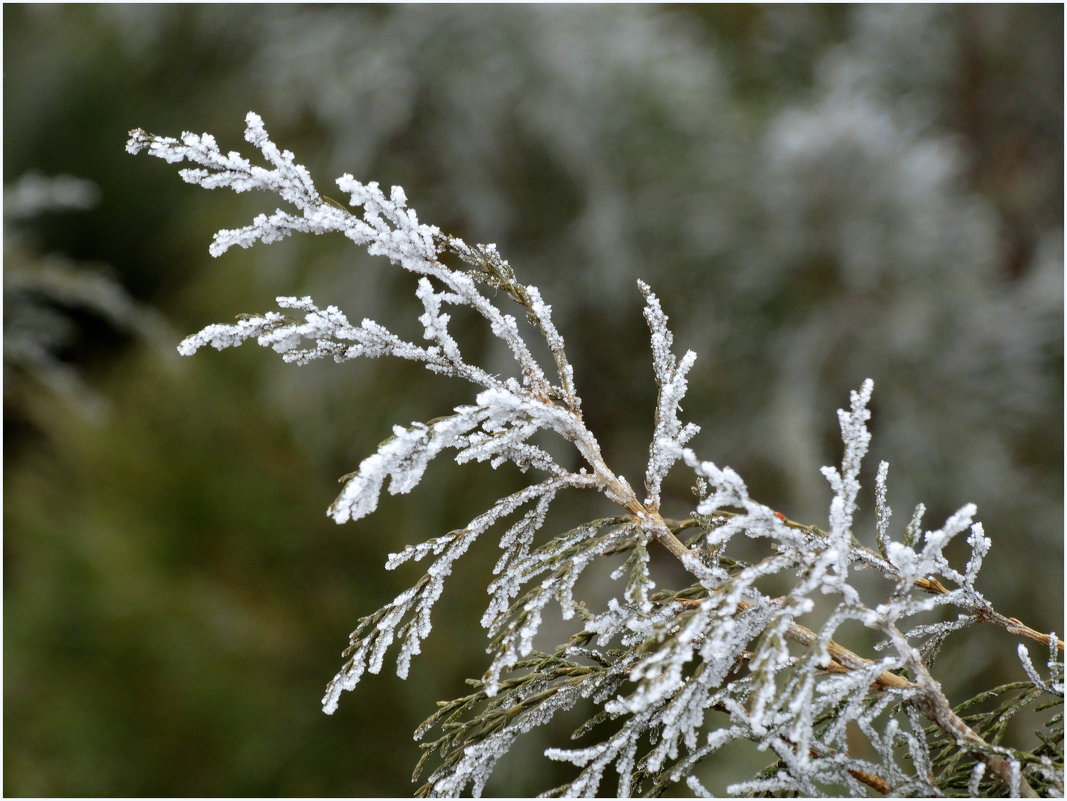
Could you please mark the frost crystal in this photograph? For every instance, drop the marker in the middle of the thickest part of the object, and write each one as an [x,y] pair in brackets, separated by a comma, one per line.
[673,675]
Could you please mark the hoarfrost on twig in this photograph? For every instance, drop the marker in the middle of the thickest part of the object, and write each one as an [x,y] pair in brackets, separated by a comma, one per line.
[674,675]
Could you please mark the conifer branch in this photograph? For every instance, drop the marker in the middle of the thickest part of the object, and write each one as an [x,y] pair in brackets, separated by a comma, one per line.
[673,675]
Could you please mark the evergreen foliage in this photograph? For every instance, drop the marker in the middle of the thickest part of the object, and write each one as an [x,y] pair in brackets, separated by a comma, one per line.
[741,650]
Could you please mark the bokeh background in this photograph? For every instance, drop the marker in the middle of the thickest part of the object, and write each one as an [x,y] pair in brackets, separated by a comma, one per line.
[818,194]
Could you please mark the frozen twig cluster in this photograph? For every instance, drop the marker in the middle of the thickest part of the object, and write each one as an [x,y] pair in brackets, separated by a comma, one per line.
[673,674]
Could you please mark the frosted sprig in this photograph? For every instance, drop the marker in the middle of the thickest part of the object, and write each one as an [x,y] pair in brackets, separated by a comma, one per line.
[496,428]
[512,625]
[368,646]
[844,482]
[383,224]
[669,434]
[672,675]
[286,178]
[1054,684]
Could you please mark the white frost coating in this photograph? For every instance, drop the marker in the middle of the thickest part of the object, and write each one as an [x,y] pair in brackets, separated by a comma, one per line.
[977,772]
[883,514]
[287,179]
[1054,685]
[403,458]
[915,564]
[654,664]
[220,336]
[478,760]
[670,434]
[845,482]
[512,627]
[694,784]
[980,545]
[620,749]
[407,618]
[386,227]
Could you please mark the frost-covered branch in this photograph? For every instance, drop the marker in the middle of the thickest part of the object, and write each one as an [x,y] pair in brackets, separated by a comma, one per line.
[672,674]
[670,433]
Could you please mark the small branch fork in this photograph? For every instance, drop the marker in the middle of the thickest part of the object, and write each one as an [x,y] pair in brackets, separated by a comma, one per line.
[799,634]
[931,585]
[929,699]
[926,693]
[927,696]
[497,273]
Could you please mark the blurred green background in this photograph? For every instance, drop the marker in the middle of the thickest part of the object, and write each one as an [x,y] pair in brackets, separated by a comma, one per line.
[818,194]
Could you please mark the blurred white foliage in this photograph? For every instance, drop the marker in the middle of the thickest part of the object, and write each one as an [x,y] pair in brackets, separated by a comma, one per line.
[866,185]
[34,193]
[41,290]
